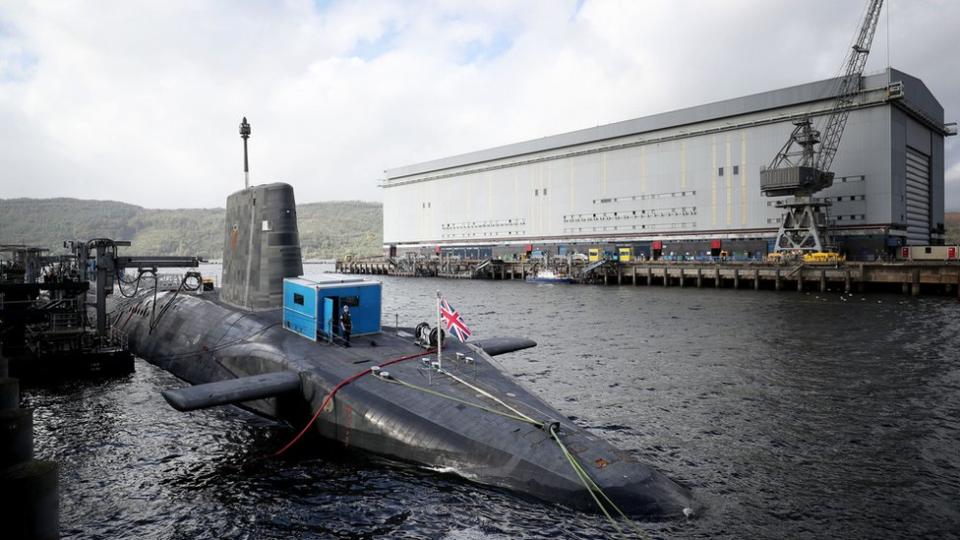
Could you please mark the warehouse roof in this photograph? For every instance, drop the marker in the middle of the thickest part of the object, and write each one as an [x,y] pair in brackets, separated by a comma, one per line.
[915,91]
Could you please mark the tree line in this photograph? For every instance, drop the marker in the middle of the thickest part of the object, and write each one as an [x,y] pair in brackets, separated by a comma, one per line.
[335,229]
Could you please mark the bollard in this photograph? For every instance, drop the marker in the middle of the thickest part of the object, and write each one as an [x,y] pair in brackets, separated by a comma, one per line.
[634,275]
[681,278]
[776,280]
[34,512]
[756,279]
[716,278]
[736,278]
[846,281]
[823,281]
[699,277]
[666,277]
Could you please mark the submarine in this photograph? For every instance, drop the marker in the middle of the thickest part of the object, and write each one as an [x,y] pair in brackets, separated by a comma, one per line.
[265,341]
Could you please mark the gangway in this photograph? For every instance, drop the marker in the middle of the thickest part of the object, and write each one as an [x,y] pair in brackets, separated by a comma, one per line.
[487,263]
[593,266]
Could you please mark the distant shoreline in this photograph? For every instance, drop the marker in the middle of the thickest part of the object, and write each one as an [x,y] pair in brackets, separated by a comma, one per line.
[305,261]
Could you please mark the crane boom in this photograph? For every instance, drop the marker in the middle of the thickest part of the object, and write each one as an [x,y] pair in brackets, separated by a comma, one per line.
[849,87]
[806,170]
[801,172]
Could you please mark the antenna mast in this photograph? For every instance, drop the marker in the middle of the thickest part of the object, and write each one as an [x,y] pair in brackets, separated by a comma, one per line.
[245,134]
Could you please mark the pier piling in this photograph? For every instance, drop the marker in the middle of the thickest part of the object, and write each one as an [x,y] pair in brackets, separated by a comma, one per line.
[913,276]
[9,393]
[32,510]
[16,436]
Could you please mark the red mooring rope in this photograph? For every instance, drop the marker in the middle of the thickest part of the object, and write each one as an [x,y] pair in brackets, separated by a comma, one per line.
[336,389]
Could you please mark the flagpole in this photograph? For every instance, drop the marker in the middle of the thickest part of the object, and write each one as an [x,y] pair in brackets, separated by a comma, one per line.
[439,335]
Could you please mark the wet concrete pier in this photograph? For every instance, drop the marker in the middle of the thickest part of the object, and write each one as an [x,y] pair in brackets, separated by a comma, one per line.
[914,278]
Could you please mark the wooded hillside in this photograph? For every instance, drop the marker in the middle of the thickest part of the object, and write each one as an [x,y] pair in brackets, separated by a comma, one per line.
[952,223]
[327,229]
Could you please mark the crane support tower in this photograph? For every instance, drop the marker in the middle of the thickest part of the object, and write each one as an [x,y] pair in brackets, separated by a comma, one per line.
[801,169]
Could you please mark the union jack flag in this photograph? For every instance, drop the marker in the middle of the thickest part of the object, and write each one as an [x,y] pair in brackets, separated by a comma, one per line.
[455,324]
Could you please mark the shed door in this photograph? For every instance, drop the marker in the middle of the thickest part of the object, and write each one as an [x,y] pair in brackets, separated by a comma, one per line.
[918,198]
[328,317]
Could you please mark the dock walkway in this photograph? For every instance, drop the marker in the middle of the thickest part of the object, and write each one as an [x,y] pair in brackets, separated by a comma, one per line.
[907,277]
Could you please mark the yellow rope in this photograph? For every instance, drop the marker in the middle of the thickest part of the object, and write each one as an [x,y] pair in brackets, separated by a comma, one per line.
[487,394]
[582,475]
[592,486]
[528,420]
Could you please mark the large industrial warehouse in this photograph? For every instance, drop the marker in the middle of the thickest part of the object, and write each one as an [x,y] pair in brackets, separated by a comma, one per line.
[683,181]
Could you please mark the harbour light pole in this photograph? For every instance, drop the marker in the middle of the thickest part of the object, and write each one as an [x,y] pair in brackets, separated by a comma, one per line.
[245,134]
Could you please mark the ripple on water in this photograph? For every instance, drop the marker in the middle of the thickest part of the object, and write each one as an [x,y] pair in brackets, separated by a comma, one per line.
[790,416]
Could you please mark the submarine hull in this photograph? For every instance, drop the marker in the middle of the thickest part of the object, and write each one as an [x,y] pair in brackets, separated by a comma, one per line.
[203,340]
[471,419]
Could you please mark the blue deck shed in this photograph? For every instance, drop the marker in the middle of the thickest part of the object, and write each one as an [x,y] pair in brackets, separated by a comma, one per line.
[312,306]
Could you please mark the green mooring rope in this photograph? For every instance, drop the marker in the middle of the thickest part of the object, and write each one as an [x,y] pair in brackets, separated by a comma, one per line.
[588,483]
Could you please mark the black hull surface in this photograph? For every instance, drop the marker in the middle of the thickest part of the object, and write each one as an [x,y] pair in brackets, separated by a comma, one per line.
[201,340]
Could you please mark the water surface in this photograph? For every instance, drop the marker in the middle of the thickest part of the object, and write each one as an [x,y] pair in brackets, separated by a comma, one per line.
[790,415]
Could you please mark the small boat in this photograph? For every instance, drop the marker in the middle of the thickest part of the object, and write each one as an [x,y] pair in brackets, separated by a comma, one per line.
[548,276]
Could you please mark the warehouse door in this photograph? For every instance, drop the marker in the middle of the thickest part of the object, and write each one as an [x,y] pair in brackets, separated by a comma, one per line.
[918,198]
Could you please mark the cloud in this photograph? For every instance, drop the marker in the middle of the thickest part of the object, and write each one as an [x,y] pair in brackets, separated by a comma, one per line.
[140,101]
[952,180]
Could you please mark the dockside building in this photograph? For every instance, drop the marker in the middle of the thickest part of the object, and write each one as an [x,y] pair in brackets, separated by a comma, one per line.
[683,181]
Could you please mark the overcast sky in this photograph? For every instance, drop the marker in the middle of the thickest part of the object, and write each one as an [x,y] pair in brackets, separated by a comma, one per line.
[140,101]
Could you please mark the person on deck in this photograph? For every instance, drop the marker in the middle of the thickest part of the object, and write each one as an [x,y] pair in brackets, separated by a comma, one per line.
[346,325]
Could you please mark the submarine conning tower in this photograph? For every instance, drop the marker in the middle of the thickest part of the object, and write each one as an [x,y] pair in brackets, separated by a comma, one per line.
[261,246]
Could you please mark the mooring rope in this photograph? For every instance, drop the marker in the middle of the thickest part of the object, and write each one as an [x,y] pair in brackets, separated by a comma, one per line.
[393,380]
[336,389]
[487,394]
[592,486]
[588,483]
